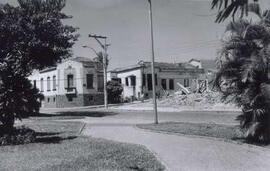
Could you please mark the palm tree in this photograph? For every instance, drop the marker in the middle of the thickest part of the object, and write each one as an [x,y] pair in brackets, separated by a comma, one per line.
[243,73]
[226,8]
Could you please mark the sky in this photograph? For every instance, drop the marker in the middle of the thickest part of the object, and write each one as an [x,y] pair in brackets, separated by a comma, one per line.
[183,29]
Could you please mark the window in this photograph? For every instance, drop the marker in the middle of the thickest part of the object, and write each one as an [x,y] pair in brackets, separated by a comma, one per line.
[171,84]
[149,82]
[91,98]
[41,85]
[156,82]
[143,81]
[54,99]
[186,82]
[133,80]
[70,99]
[100,83]
[54,83]
[164,84]
[35,84]
[48,84]
[70,81]
[127,84]
[89,81]
[48,100]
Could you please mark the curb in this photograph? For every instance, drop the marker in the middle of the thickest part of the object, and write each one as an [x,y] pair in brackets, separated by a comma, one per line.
[82,128]
[204,137]
[171,110]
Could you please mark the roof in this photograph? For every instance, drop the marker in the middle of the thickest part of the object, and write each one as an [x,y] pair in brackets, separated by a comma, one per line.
[81,59]
[87,62]
[197,60]
[208,64]
[48,69]
[128,68]
[160,65]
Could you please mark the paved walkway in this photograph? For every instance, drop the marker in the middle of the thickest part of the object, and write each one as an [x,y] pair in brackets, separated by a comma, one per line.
[180,152]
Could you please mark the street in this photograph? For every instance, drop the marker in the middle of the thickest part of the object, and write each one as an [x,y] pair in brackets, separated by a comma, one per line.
[180,152]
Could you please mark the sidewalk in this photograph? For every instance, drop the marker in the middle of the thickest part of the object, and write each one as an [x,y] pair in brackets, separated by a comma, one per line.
[148,107]
[139,106]
[186,153]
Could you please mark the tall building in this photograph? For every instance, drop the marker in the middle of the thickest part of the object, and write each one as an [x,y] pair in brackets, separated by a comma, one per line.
[74,82]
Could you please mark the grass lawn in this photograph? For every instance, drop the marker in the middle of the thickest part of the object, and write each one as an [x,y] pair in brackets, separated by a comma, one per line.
[224,132]
[59,147]
[200,129]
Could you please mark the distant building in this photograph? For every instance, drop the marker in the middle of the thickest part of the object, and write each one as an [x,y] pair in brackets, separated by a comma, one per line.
[137,79]
[75,82]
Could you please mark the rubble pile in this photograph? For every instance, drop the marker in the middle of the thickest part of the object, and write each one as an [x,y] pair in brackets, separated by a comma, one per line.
[206,100]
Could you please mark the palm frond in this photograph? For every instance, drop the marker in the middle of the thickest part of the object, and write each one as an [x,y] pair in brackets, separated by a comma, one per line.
[238,27]
[255,8]
[227,8]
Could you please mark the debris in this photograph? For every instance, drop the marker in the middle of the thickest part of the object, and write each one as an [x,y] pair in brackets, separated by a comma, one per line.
[206,100]
[183,89]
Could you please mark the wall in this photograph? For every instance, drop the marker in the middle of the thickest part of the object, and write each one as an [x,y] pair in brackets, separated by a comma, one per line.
[60,97]
[70,67]
[130,90]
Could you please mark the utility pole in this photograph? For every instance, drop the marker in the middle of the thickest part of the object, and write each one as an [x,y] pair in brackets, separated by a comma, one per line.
[153,63]
[104,47]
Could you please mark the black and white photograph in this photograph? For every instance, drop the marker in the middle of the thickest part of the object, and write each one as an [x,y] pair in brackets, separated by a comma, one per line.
[134,85]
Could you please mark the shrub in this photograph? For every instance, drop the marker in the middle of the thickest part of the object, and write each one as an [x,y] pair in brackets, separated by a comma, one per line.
[16,136]
[115,90]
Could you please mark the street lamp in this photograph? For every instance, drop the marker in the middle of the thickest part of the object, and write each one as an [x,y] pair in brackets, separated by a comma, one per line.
[153,63]
[104,47]
[85,46]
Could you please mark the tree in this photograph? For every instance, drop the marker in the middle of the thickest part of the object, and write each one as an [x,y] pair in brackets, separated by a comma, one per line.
[226,8]
[32,36]
[243,75]
[99,58]
[115,90]
[18,99]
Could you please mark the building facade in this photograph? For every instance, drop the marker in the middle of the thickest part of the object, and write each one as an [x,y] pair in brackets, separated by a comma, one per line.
[75,82]
[137,79]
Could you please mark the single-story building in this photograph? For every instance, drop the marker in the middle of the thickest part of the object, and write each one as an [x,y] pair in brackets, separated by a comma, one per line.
[137,79]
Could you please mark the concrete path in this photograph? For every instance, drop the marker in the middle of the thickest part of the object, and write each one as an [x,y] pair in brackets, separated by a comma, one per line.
[183,153]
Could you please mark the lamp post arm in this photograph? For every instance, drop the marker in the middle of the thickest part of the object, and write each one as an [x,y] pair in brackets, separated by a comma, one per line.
[99,42]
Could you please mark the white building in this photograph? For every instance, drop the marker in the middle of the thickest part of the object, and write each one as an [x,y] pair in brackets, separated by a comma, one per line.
[137,79]
[75,82]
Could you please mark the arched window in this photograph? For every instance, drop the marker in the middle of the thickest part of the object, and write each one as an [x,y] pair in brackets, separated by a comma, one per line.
[54,83]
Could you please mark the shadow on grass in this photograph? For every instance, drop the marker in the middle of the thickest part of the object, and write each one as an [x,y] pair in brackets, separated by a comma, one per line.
[40,134]
[76,114]
[53,139]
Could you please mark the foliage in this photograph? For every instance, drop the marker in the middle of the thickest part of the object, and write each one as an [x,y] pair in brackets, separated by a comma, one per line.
[18,99]
[16,136]
[99,58]
[32,36]
[226,8]
[243,74]
[114,89]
